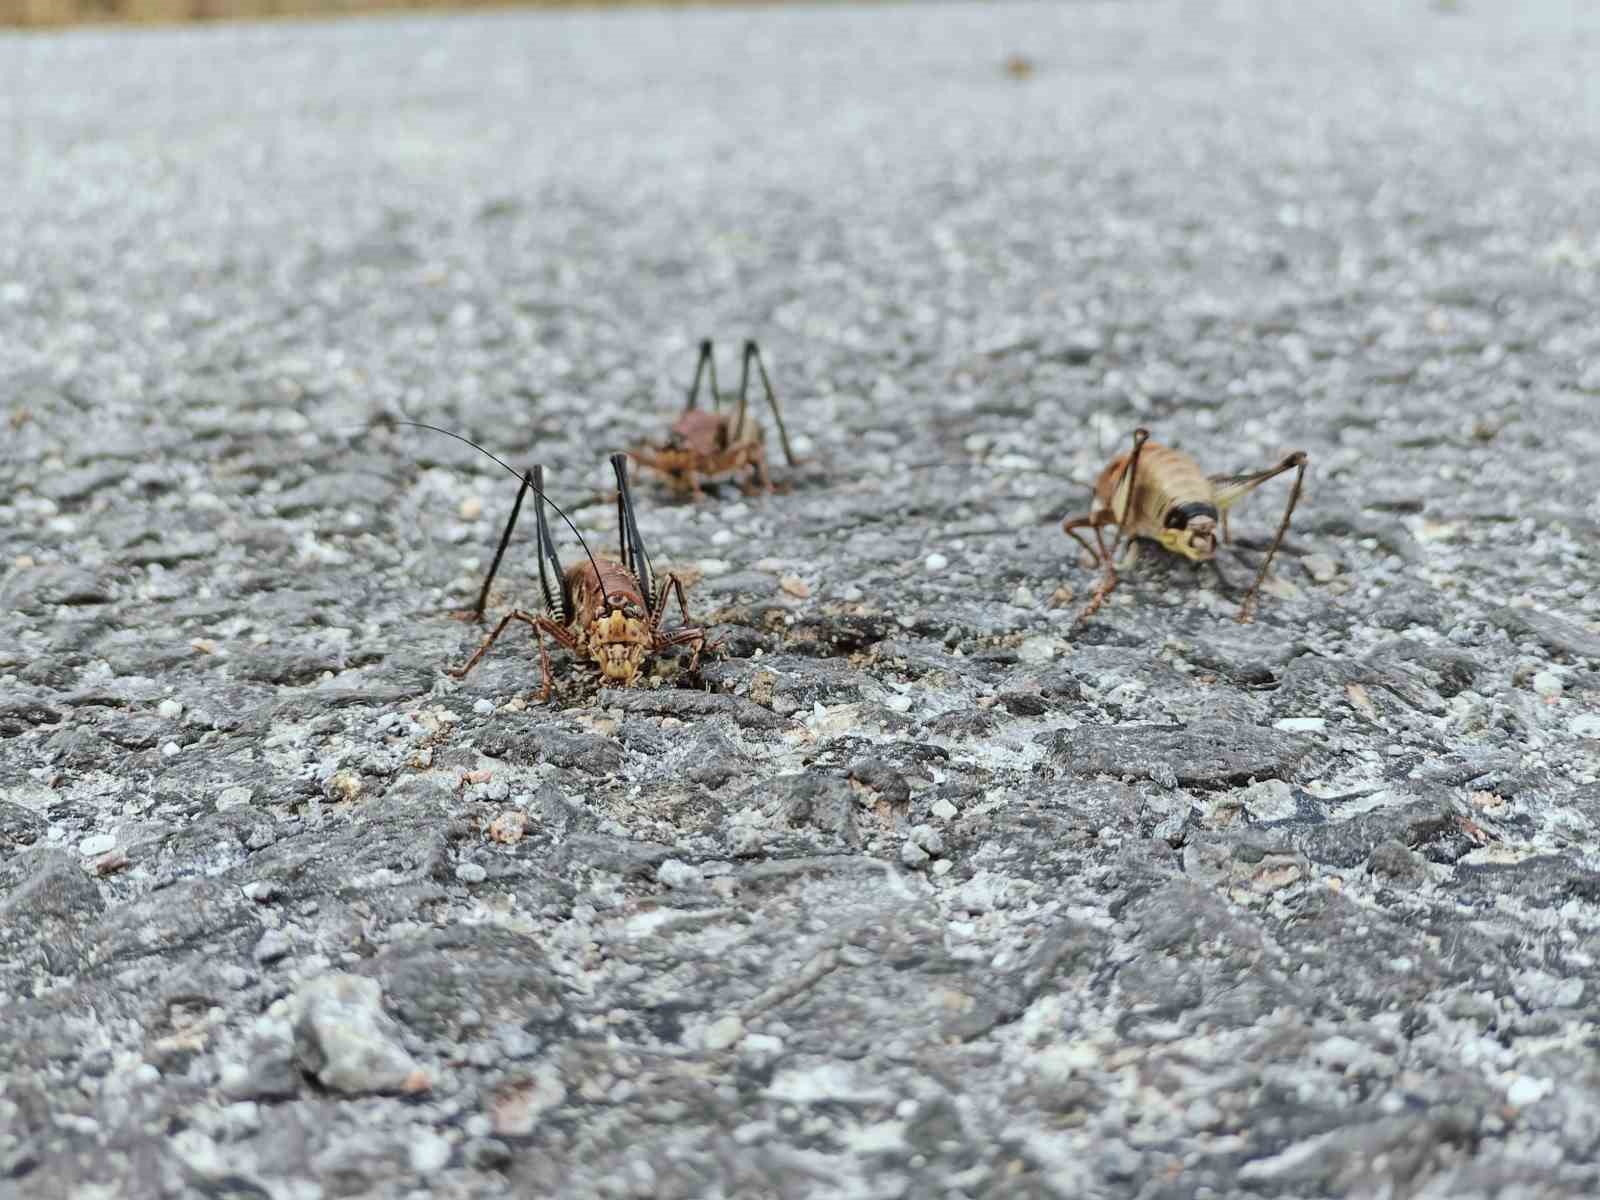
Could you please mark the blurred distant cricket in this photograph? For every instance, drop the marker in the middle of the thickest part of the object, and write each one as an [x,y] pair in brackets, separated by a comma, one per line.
[706,443]
[1156,492]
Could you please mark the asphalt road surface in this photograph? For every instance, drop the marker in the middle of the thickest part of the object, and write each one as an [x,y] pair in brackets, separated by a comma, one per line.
[913,888]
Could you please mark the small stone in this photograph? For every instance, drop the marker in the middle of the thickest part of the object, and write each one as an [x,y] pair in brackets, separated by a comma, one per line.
[1301,724]
[170,709]
[343,786]
[171,749]
[274,944]
[1547,684]
[470,872]
[1023,597]
[1320,567]
[483,707]
[1526,1090]
[913,855]
[509,827]
[516,1109]
[1585,725]
[233,797]
[344,1038]
[722,1033]
[1037,649]
[935,563]
[96,844]
[429,1151]
[942,867]
[471,508]
[943,809]
[929,838]
[795,586]
[488,1154]
[675,873]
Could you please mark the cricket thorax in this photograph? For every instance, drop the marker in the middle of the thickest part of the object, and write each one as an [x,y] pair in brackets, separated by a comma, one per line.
[700,432]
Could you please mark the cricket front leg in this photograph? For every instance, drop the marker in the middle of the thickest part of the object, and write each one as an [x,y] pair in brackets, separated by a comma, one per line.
[689,634]
[1101,555]
[758,470]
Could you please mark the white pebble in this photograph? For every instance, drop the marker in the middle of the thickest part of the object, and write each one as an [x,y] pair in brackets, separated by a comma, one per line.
[1301,724]
[1547,684]
[483,707]
[913,855]
[1320,567]
[1037,649]
[170,749]
[471,873]
[676,873]
[721,1034]
[1526,1090]
[170,709]
[722,537]
[429,1152]
[1023,597]
[1586,725]
[98,844]
[936,562]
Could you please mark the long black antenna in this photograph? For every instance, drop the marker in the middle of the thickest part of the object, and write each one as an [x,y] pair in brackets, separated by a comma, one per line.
[527,484]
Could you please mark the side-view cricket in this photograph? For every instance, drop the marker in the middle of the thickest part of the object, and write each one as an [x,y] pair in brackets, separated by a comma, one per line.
[608,611]
[707,443]
[1159,493]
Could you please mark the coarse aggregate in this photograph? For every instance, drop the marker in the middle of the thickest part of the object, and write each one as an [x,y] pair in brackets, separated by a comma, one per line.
[913,889]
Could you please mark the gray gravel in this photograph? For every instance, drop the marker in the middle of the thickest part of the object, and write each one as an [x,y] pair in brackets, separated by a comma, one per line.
[913,891]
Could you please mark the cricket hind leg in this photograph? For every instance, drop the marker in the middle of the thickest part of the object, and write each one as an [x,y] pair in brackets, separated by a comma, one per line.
[500,551]
[1230,489]
[752,352]
[706,364]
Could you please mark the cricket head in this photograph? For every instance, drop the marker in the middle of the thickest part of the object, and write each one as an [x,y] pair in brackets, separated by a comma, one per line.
[1191,530]
[620,639]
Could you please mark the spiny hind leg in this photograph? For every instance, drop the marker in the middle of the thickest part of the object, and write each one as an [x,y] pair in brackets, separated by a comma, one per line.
[1230,489]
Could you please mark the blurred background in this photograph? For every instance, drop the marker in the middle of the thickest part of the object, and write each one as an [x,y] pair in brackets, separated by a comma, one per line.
[15,13]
